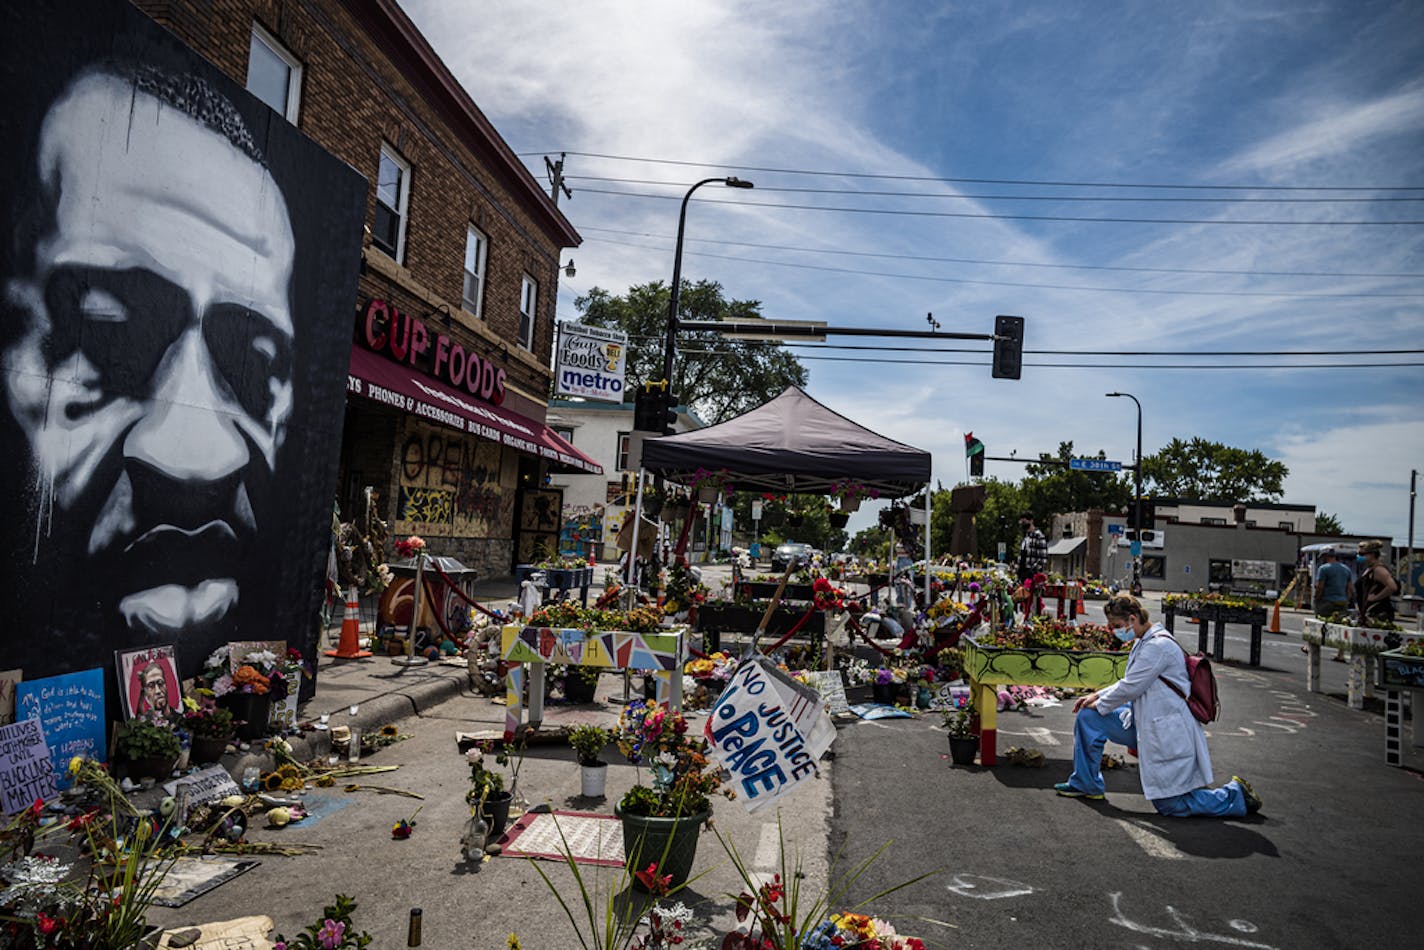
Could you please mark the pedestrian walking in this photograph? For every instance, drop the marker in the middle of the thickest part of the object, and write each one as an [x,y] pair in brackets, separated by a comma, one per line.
[1033,549]
[1334,590]
[1376,585]
[1143,712]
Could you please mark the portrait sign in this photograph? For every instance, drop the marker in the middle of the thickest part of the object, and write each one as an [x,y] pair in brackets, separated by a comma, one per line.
[177,269]
[148,682]
[26,771]
[71,710]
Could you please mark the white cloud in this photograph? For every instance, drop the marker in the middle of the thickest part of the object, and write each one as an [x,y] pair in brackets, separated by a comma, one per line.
[1358,472]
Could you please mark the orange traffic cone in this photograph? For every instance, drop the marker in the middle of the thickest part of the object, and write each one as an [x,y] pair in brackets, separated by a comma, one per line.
[350,646]
[1276,618]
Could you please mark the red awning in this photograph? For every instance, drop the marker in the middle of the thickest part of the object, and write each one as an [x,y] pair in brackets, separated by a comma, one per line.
[381,380]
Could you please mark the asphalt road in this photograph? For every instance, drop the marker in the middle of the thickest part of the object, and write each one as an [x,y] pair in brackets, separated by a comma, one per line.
[1331,861]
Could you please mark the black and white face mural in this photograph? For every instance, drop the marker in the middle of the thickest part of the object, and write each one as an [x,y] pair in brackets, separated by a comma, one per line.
[176,301]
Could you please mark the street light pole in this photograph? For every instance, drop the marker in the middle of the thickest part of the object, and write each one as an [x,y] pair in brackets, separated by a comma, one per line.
[670,344]
[1137,497]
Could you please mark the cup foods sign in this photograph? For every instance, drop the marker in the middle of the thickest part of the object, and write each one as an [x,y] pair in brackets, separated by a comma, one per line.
[591,362]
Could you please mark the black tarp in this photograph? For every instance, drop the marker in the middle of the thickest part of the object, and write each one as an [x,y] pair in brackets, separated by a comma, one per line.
[792,443]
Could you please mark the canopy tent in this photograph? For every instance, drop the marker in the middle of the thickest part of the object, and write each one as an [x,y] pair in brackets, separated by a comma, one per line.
[792,443]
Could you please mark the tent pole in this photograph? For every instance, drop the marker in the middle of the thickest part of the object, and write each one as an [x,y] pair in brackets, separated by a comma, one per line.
[637,523]
[927,546]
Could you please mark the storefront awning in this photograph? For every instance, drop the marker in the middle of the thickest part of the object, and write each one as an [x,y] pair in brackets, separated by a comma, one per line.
[381,380]
[1065,546]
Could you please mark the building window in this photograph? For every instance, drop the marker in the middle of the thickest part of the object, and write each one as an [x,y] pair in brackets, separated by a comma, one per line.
[564,432]
[1213,521]
[623,439]
[528,303]
[392,202]
[274,75]
[1288,525]
[476,251]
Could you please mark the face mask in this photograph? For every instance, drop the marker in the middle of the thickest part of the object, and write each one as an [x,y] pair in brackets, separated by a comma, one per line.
[1359,559]
[1123,633]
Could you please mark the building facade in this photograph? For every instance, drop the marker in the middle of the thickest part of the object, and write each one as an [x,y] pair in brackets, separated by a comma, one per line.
[452,328]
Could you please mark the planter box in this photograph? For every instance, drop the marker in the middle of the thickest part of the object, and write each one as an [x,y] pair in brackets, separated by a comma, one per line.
[1004,666]
[1364,641]
[1208,615]
[560,579]
[1398,670]
[733,618]
[767,589]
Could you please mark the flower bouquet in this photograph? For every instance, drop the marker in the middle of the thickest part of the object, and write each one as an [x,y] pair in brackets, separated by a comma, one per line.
[411,547]
[710,485]
[683,778]
[850,494]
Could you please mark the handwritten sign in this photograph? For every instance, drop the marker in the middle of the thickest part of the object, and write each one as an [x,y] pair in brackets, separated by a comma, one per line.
[71,709]
[769,731]
[26,772]
[8,681]
[832,689]
[211,784]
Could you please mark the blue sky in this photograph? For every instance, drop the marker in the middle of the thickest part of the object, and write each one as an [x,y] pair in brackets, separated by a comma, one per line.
[1264,95]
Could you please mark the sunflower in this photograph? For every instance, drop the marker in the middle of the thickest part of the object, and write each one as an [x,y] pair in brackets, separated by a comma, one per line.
[390,731]
[272,781]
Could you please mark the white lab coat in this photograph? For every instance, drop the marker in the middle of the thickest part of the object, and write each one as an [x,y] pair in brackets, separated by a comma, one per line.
[1171,744]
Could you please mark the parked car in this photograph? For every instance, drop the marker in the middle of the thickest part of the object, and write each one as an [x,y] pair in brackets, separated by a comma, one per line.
[793,553]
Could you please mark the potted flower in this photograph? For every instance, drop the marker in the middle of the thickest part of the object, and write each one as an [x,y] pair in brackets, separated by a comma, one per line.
[211,727]
[661,821]
[150,747]
[963,741]
[850,494]
[885,687]
[588,742]
[580,683]
[708,486]
[486,793]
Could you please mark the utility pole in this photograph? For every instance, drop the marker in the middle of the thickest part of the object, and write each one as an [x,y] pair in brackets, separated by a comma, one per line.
[556,178]
[1408,585]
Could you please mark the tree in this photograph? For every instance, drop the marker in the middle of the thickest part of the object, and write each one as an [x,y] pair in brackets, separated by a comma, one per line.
[999,518]
[1050,490]
[1200,470]
[1326,523]
[718,377]
[871,542]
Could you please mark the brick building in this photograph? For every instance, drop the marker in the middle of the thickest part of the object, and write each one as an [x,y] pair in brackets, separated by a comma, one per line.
[453,325]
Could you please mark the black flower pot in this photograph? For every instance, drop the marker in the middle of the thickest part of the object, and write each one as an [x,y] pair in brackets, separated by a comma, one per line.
[495,812]
[838,519]
[669,843]
[885,693]
[962,749]
[207,750]
[577,689]
[254,709]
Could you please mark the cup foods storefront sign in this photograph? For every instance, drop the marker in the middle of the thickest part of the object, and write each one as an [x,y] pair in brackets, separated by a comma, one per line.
[591,362]
[406,339]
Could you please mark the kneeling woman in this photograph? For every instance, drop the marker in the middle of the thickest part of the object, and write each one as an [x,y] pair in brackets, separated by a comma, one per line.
[1144,712]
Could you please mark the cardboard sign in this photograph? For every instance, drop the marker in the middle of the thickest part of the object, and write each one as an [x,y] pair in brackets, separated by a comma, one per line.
[832,689]
[71,709]
[26,772]
[8,681]
[769,731]
[208,785]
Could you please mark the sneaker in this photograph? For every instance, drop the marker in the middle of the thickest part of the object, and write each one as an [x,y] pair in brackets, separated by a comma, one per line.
[1253,801]
[1068,791]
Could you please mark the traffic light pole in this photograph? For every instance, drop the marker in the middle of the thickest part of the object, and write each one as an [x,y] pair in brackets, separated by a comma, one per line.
[1137,498]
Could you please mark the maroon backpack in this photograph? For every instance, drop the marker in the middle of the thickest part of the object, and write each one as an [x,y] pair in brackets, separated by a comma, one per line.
[1202,699]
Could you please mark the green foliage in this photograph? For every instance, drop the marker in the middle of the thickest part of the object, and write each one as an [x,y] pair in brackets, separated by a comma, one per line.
[334,931]
[959,722]
[871,542]
[142,739]
[999,518]
[1050,490]
[1326,523]
[720,378]
[588,742]
[1201,470]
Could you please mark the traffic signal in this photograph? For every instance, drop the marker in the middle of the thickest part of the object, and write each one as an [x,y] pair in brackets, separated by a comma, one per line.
[644,405]
[976,465]
[666,416]
[1008,347]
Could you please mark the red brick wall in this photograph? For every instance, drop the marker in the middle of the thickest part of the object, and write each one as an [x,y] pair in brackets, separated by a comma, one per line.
[354,97]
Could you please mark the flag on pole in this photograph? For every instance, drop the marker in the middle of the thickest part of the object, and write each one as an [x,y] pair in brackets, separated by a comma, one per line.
[972,446]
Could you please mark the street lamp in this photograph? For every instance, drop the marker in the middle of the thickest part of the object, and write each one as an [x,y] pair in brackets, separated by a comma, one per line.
[670,343]
[1137,496]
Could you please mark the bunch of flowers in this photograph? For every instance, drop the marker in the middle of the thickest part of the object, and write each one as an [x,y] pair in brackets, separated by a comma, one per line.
[859,931]
[1047,633]
[205,719]
[413,546]
[924,675]
[334,931]
[826,596]
[851,493]
[857,670]
[891,674]
[947,608]
[683,778]
[485,783]
[562,563]
[568,614]
[718,666]
[705,479]
[683,590]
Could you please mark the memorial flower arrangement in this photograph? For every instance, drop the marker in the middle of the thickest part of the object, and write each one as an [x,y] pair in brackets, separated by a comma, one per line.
[682,589]
[485,783]
[413,546]
[827,596]
[891,674]
[851,493]
[1047,633]
[683,778]
[947,608]
[148,738]
[707,482]
[568,614]
[717,666]
[334,931]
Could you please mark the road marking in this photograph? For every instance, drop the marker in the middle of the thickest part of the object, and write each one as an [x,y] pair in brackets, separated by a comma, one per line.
[1275,725]
[984,888]
[1185,931]
[1149,839]
[1038,733]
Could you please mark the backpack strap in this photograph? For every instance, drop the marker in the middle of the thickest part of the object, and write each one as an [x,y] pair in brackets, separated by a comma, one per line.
[1164,679]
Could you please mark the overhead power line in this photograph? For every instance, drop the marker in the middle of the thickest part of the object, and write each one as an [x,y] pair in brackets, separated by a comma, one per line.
[1047,183]
[993,263]
[1218,366]
[1216,199]
[905,212]
[936,278]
